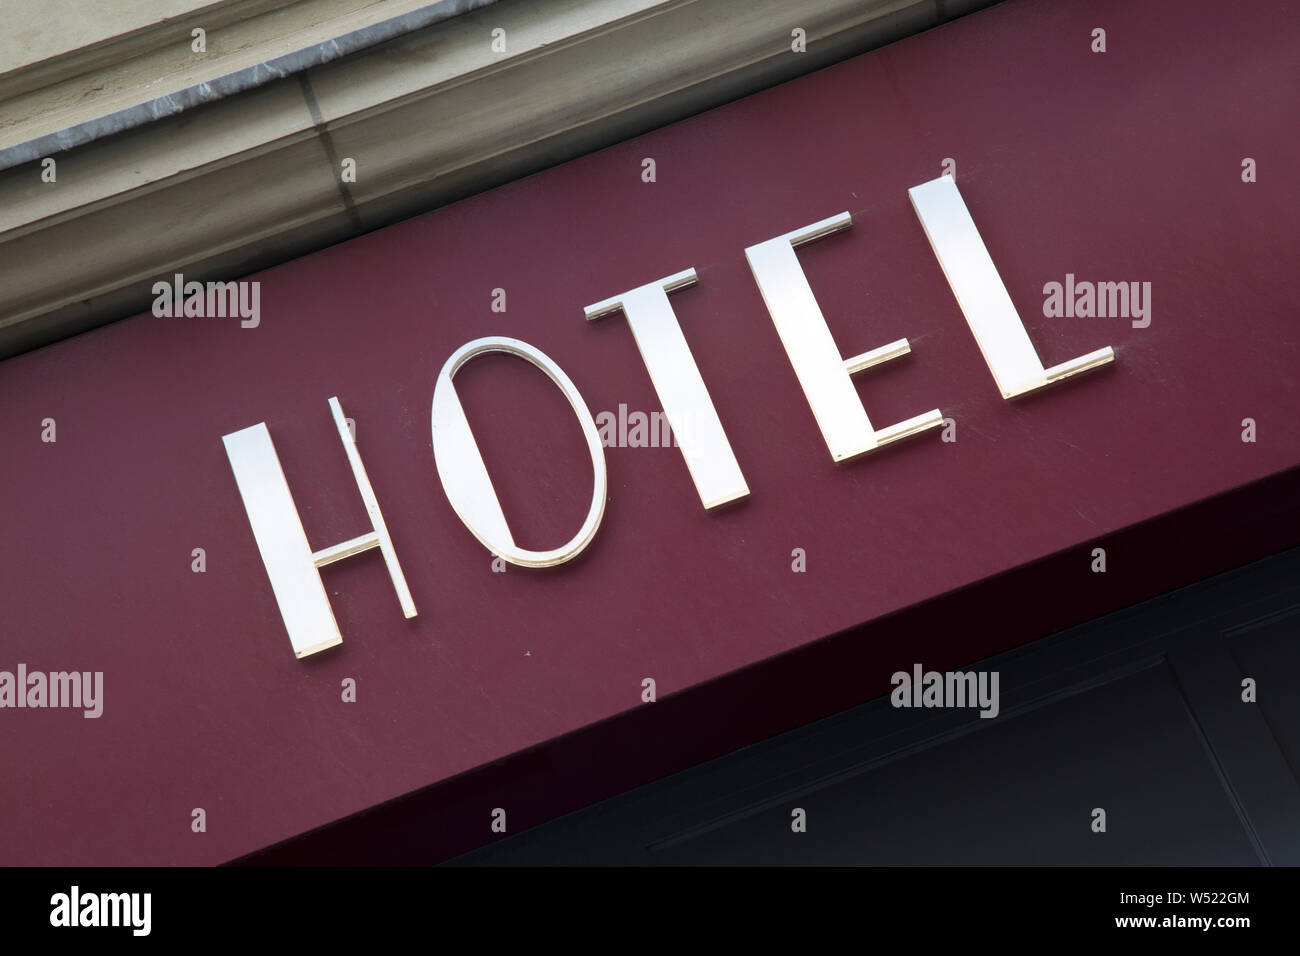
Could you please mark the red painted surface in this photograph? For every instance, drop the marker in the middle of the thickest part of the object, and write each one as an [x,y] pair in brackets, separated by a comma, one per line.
[1118,167]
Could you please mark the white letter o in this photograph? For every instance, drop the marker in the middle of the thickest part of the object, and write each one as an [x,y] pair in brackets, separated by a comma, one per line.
[465,478]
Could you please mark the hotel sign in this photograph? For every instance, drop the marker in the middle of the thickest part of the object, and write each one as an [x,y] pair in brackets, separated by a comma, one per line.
[777,556]
[824,375]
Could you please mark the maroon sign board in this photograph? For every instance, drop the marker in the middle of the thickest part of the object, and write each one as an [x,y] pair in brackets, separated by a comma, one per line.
[525,688]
